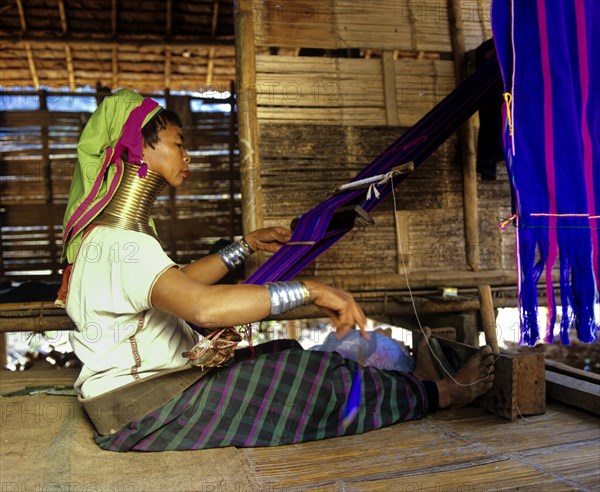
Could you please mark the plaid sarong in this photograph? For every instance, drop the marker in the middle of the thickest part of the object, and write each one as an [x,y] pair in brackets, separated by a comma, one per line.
[282,397]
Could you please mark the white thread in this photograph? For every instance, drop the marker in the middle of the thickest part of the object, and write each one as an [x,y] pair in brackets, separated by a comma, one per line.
[521,415]
[373,182]
[412,300]
[389,176]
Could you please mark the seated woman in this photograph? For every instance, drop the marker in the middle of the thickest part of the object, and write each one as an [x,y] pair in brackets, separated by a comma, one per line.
[133,307]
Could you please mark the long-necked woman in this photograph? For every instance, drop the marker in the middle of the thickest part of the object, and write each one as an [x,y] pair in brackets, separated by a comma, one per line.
[134,309]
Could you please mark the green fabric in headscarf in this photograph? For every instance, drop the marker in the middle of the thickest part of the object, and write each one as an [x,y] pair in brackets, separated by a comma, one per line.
[114,128]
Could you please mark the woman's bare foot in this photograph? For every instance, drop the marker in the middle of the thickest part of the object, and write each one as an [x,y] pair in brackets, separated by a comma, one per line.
[425,368]
[474,379]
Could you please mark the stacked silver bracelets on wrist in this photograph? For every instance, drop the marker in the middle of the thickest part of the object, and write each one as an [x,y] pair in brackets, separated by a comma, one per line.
[286,296]
[234,254]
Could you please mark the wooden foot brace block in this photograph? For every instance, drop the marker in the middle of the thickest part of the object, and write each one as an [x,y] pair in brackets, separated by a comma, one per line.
[520,384]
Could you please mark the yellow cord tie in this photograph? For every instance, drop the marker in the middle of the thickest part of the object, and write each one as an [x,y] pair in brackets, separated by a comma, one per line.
[504,222]
[508,100]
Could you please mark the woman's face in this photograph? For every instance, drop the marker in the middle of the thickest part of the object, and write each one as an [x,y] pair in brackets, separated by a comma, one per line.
[168,157]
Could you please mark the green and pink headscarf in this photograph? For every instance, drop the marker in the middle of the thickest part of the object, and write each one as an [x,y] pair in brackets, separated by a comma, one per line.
[113,129]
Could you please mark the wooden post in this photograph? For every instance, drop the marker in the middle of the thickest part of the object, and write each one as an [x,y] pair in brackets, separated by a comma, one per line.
[466,138]
[402,242]
[389,88]
[293,329]
[488,317]
[252,198]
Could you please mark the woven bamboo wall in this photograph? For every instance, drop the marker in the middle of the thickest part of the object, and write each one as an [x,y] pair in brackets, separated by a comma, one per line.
[152,45]
[383,65]
[38,152]
[381,24]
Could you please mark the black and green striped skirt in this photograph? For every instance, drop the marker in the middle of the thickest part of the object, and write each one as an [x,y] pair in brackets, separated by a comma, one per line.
[275,397]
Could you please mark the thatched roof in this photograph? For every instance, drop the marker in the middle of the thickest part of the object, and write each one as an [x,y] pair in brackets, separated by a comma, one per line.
[149,46]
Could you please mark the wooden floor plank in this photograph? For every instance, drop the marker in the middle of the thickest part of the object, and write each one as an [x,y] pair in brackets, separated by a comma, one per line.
[579,463]
[559,425]
[376,454]
[466,446]
[503,475]
[46,443]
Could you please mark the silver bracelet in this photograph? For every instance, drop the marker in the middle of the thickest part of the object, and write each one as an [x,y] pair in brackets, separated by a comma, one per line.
[233,255]
[286,296]
[245,244]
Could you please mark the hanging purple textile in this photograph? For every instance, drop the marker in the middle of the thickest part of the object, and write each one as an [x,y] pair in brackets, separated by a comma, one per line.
[549,54]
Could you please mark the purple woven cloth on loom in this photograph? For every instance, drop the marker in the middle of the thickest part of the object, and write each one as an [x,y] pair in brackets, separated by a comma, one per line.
[549,54]
[318,226]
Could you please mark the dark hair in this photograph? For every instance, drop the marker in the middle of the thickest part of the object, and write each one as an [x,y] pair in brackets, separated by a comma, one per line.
[158,123]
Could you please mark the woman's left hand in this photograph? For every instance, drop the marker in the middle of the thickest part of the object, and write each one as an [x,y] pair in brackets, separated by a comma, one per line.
[269,239]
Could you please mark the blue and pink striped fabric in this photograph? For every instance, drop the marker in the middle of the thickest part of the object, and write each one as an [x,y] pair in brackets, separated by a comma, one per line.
[550,61]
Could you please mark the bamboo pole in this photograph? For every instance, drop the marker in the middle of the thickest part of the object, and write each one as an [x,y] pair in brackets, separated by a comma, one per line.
[168,17]
[211,51]
[430,279]
[37,324]
[122,40]
[412,19]
[252,198]
[114,18]
[21,16]
[32,69]
[466,138]
[167,67]
[38,319]
[215,18]
[488,318]
[389,87]
[63,16]
[115,67]
[70,69]
[210,66]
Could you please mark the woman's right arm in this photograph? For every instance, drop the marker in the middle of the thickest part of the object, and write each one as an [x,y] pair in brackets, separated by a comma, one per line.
[213,306]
